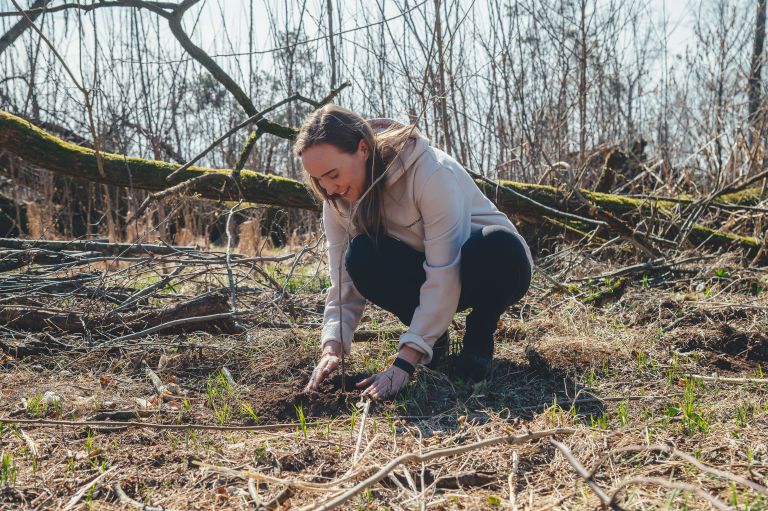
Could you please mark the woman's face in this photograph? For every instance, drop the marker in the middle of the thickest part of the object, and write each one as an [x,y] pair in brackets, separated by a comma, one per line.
[340,174]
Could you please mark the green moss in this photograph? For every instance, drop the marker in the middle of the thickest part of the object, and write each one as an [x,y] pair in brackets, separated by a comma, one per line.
[278,130]
[611,289]
[748,197]
[551,196]
[700,234]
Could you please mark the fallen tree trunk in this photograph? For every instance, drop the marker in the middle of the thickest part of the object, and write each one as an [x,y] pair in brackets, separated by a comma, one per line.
[14,259]
[114,249]
[629,209]
[35,319]
[77,285]
[35,146]
[527,202]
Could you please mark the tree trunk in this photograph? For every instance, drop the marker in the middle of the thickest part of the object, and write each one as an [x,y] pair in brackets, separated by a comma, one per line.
[37,147]
[755,70]
[13,217]
[441,80]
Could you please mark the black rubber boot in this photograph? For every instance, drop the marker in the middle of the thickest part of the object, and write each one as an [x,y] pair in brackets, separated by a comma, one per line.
[472,366]
[474,361]
[439,351]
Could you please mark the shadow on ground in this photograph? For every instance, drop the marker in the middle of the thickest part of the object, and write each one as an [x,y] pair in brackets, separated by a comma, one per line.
[513,390]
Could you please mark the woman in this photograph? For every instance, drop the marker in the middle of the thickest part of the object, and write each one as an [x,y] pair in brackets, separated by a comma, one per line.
[417,238]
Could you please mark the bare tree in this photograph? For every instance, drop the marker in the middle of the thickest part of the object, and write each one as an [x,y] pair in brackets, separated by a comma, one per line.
[756,66]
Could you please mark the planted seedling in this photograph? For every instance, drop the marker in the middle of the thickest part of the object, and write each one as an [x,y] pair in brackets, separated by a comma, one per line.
[692,416]
[218,393]
[89,441]
[302,421]
[8,470]
[70,466]
[622,411]
[247,411]
[36,405]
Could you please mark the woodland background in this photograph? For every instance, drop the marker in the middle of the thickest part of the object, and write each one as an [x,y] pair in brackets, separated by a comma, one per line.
[508,88]
[156,336]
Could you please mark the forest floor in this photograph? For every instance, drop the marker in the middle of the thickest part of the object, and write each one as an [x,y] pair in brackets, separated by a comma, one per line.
[652,384]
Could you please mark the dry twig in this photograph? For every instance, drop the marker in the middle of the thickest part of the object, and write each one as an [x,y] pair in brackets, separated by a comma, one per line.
[87,486]
[128,501]
[605,499]
[434,454]
[675,485]
[759,488]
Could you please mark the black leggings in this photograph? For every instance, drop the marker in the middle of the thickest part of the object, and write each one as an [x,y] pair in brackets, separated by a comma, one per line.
[495,273]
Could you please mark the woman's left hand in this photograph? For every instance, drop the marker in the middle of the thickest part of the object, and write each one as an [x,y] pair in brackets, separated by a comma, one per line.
[384,384]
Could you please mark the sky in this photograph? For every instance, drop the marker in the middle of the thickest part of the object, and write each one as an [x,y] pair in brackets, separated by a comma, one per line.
[221,26]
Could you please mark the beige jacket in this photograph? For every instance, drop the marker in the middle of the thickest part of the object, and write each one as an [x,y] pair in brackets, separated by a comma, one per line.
[430,204]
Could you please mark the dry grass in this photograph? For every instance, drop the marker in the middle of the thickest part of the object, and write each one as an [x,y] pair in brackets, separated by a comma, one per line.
[616,374]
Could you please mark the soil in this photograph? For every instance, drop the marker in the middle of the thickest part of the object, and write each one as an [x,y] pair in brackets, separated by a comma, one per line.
[330,400]
[614,374]
[724,339]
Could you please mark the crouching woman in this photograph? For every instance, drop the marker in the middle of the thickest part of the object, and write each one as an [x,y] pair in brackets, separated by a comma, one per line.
[408,230]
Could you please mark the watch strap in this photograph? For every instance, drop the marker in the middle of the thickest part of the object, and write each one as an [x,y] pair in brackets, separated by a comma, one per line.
[404,365]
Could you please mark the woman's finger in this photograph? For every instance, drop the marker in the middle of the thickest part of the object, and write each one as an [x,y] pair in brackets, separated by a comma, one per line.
[366,382]
[324,368]
[331,365]
[312,384]
[317,375]
[371,392]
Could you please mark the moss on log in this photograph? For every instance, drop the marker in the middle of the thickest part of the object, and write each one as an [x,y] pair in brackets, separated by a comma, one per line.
[39,148]
[628,208]
[748,197]
[35,146]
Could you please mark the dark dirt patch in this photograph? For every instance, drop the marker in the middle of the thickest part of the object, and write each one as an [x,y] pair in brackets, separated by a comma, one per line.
[281,404]
[724,339]
[296,462]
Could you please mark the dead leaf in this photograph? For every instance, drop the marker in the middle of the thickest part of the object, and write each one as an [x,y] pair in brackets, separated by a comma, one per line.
[107,381]
[222,493]
[174,404]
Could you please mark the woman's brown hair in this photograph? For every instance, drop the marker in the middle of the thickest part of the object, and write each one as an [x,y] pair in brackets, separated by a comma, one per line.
[344,129]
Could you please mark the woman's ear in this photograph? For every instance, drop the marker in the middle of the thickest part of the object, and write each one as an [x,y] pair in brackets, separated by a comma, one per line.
[363,147]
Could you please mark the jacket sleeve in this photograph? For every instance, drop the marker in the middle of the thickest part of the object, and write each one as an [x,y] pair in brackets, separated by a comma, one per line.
[343,304]
[446,227]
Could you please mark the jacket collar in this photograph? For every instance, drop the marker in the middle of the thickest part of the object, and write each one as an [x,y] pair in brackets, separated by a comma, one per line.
[414,148]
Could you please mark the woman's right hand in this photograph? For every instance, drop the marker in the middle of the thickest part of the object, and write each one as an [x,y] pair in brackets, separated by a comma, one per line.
[329,361]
